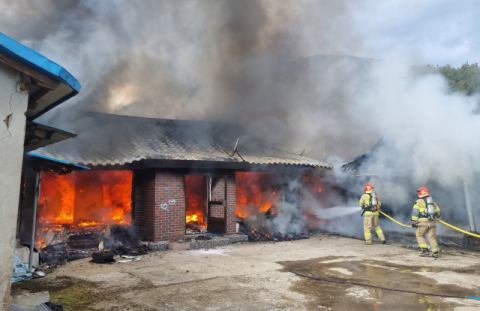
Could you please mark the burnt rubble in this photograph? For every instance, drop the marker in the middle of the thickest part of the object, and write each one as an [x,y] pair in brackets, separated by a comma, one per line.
[256,235]
[82,243]
[195,227]
[267,233]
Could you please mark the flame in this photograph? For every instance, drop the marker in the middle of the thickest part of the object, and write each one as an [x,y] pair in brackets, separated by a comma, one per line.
[195,218]
[88,223]
[195,185]
[191,218]
[313,183]
[256,192]
[83,199]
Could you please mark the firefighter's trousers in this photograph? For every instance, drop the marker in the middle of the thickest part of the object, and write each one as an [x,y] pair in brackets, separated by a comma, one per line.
[429,228]
[367,227]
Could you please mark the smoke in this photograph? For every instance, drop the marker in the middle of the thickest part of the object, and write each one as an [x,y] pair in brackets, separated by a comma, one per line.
[284,69]
[251,61]
[426,123]
[428,139]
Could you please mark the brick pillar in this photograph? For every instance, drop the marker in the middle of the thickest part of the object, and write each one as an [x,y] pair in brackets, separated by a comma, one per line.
[169,206]
[231,205]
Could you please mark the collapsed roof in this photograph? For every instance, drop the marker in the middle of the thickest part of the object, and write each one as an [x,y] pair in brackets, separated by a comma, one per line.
[108,139]
[384,158]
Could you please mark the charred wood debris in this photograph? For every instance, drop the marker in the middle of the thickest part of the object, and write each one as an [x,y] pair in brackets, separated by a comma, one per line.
[194,228]
[263,234]
[80,243]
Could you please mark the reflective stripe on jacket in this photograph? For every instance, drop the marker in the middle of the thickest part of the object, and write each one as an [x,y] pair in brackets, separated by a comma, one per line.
[420,207]
[365,202]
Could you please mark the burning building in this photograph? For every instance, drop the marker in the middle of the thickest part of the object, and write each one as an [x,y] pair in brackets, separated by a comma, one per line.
[169,178]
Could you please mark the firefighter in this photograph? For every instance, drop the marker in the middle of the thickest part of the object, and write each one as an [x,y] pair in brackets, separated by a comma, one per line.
[425,210]
[370,203]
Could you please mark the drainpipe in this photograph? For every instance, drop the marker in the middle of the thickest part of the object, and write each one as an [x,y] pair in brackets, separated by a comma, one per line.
[471,219]
[34,222]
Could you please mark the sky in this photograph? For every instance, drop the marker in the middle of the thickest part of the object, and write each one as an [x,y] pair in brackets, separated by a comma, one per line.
[438,32]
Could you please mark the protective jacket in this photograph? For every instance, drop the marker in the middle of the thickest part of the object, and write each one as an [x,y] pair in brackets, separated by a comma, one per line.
[366,203]
[419,212]
[425,226]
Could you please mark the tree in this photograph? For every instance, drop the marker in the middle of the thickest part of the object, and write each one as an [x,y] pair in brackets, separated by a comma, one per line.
[465,79]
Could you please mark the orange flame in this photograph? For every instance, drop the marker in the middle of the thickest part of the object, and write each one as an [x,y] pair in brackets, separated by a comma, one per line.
[83,199]
[195,199]
[254,192]
[191,218]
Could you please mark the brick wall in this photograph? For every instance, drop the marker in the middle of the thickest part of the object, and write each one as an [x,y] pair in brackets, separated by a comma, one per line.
[218,191]
[218,194]
[231,205]
[169,206]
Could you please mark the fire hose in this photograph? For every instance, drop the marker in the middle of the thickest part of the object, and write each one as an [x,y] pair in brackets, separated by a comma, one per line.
[381,287]
[458,229]
[441,221]
[394,220]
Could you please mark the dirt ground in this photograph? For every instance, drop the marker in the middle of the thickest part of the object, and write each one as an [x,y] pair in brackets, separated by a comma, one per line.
[256,276]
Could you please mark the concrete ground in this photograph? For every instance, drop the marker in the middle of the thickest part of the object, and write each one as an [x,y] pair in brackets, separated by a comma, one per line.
[255,276]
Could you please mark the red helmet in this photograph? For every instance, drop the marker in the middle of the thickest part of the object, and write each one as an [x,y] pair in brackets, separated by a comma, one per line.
[368,187]
[423,191]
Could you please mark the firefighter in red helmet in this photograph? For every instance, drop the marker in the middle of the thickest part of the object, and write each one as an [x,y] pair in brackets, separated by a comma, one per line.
[425,210]
[370,202]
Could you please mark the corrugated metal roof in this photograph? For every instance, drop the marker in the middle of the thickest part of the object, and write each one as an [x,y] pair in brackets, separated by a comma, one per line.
[48,160]
[113,139]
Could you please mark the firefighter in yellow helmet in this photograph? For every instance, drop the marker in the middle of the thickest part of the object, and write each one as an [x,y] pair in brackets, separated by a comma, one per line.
[424,213]
[370,203]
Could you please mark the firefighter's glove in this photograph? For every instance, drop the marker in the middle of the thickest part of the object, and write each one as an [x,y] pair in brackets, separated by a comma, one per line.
[414,225]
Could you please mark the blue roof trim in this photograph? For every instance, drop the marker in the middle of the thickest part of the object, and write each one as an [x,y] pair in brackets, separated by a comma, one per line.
[55,160]
[37,61]
[57,128]
[53,105]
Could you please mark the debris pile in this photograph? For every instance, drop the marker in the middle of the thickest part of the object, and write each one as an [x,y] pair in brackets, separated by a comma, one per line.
[260,228]
[194,227]
[75,243]
[256,235]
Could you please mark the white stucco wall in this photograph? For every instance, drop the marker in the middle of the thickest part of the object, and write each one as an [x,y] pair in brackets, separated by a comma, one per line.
[14,103]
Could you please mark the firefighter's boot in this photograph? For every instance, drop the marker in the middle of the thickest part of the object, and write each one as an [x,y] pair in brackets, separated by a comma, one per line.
[425,252]
[435,255]
[367,243]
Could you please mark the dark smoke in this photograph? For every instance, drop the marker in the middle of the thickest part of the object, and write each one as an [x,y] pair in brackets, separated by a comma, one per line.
[252,61]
